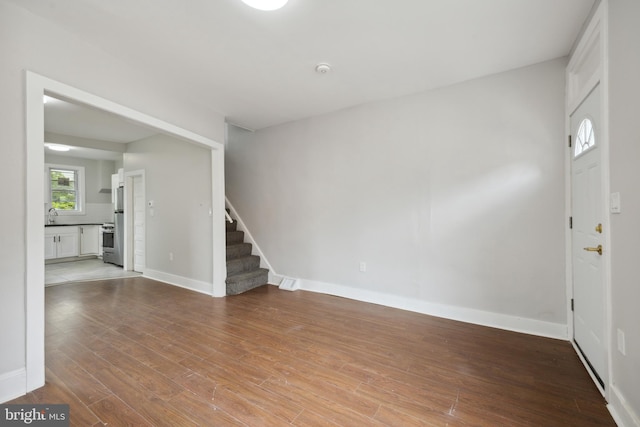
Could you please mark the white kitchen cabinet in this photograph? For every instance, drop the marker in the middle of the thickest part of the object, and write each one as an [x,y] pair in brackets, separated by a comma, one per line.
[117,180]
[61,242]
[89,239]
[100,241]
[115,183]
[50,246]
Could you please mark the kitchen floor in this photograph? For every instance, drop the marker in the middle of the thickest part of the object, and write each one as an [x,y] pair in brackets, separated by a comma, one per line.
[84,270]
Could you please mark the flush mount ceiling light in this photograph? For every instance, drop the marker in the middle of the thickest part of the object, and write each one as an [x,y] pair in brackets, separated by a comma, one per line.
[265,4]
[58,147]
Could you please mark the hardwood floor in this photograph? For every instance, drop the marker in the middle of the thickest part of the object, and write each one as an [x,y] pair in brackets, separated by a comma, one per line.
[138,352]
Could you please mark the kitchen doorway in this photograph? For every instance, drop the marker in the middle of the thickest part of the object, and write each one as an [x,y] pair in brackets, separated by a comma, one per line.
[94,142]
[36,87]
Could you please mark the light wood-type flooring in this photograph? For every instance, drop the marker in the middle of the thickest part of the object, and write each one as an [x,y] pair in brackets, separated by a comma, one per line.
[137,352]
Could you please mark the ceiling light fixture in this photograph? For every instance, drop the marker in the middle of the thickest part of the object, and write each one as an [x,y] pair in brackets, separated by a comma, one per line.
[265,4]
[58,147]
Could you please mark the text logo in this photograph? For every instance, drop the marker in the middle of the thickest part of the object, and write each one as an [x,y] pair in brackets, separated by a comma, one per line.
[34,415]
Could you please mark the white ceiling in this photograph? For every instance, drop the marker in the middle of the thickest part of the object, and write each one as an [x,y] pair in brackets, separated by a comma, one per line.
[257,68]
[70,119]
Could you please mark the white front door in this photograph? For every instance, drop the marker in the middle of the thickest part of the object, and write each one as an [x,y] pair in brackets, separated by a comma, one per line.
[587,235]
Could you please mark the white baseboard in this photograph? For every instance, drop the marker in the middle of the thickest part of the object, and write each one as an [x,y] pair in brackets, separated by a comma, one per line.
[13,384]
[182,282]
[275,278]
[623,414]
[485,318]
[468,315]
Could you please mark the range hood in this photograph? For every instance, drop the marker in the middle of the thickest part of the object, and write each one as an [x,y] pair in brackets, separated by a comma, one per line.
[106,168]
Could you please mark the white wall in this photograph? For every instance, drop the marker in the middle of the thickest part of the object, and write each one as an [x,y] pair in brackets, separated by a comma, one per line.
[452,197]
[624,68]
[30,43]
[178,181]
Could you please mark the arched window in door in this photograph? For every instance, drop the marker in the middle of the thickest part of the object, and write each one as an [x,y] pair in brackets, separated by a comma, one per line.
[585,140]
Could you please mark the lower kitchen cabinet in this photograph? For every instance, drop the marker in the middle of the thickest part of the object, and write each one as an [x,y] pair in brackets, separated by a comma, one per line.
[89,239]
[61,242]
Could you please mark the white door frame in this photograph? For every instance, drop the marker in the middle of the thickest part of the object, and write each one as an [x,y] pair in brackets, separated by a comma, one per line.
[587,68]
[35,88]
[129,218]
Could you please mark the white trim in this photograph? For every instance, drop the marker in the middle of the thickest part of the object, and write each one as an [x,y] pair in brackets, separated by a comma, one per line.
[34,241]
[218,198]
[478,317]
[605,166]
[128,256]
[468,315]
[255,248]
[12,384]
[180,281]
[35,87]
[578,88]
[622,413]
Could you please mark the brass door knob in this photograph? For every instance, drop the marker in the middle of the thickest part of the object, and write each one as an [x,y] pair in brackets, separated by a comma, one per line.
[598,249]
[599,228]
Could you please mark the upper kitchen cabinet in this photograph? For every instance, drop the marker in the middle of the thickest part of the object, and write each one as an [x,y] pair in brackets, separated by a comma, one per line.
[117,180]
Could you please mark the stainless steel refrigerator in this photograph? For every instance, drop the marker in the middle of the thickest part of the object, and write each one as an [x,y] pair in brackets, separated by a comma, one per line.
[115,255]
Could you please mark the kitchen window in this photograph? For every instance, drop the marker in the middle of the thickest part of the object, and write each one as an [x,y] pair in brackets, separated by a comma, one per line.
[65,186]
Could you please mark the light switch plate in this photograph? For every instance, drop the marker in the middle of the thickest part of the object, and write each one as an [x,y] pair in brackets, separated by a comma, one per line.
[615,203]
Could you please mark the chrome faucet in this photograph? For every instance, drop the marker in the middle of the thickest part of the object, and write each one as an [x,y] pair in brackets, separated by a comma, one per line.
[52,212]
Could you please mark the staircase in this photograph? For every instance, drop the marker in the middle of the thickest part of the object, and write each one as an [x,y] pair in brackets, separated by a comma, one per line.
[243,269]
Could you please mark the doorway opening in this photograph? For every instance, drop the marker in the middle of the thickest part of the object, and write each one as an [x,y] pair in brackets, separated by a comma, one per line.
[88,208]
[36,87]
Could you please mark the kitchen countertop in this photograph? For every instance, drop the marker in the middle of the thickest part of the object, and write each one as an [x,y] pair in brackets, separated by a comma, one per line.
[73,225]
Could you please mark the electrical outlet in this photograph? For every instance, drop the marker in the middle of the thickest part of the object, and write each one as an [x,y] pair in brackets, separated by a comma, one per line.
[363,266]
[621,344]
[170,256]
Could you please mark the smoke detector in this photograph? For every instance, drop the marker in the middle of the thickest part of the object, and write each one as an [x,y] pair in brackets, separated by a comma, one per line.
[323,68]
